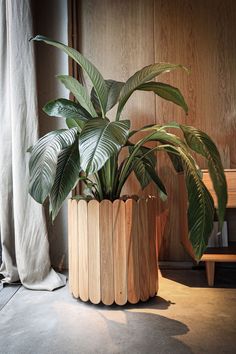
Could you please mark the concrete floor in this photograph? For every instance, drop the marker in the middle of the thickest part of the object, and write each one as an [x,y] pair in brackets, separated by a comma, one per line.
[185,317]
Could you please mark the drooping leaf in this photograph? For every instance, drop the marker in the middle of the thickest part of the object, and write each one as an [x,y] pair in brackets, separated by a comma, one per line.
[99,140]
[140,77]
[165,91]
[92,72]
[43,161]
[66,109]
[203,145]
[113,89]
[200,203]
[67,175]
[79,92]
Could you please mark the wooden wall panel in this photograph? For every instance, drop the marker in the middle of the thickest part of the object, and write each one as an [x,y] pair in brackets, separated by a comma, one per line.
[122,36]
[200,35]
[117,36]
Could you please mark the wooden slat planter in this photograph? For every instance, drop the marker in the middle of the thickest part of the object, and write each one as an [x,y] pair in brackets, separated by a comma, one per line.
[112,250]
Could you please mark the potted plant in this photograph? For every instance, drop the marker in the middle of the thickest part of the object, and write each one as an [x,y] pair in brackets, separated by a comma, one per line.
[112,255]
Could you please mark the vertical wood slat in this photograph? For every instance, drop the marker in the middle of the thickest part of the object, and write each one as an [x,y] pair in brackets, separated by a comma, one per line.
[70,235]
[75,249]
[83,250]
[152,212]
[143,250]
[106,247]
[131,214]
[119,252]
[94,252]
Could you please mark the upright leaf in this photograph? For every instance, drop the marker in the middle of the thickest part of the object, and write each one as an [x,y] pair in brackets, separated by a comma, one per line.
[99,140]
[43,161]
[140,77]
[79,92]
[92,72]
[113,89]
[67,175]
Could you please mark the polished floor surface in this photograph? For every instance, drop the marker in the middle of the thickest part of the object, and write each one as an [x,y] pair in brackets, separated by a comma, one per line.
[185,317]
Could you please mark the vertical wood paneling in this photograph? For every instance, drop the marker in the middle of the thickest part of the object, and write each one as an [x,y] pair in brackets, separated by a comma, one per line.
[198,34]
[83,249]
[94,252]
[106,239]
[122,36]
[120,253]
[75,247]
[118,37]
[131,216]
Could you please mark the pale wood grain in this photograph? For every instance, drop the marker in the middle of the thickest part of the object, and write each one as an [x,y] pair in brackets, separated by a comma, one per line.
[106,246]
[151,214]
[119,252]
[83,249]
[131,217]
[218,257]
[143,239]
[94,252]
[70,236]
[75,250]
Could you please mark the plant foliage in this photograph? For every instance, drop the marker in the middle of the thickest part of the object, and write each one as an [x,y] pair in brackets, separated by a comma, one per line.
[89,150]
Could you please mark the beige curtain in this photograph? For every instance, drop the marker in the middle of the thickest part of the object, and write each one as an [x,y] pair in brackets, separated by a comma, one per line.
[24,242]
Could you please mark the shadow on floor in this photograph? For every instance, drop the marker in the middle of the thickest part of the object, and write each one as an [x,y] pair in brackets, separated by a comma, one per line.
[56,323]
[143,332]
[225,277]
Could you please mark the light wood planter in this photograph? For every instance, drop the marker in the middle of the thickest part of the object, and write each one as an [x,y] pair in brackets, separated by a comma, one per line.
[112,250]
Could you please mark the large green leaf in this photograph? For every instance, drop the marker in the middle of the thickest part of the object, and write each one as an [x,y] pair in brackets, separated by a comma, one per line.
[165,91]
[202,144]
[66,109]
[113,89]
[140,77]
[67,175]
[92,72]
[200,203]
[99,140]
[43,161]
[79,92]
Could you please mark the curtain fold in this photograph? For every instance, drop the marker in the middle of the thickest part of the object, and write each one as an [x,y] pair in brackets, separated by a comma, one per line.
[24,242]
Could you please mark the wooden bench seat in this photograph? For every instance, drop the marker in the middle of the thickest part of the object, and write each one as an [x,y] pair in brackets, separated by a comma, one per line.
[219,254]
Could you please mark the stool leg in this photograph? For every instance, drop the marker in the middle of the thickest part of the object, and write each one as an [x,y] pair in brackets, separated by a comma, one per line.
[210,272]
